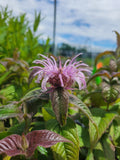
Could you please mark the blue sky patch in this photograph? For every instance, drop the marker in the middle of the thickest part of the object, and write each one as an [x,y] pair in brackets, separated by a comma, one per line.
[80,22]
[105,43]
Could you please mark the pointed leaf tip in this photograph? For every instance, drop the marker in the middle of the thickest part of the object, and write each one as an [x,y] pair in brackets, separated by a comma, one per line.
[16,145]
[44,138]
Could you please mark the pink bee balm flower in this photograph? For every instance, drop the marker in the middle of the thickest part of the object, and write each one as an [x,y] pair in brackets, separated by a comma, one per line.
[58,76]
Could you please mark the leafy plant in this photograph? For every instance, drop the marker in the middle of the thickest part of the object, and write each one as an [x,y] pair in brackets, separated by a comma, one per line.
[16,34]
[26,144]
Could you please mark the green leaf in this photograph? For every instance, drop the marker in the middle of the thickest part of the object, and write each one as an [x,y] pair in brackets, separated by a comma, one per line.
[65,151]
[2,68]
[90,155]
[99,152]
[108,148]
[84,138]
[115,131]
[34,100]
[17,129]
[83,108]
[42,150]
[35,94]
[8,111]
[8,92]
[103,119]
[4,134]
[48,113]
[4,77]
[37,21]
[96,99]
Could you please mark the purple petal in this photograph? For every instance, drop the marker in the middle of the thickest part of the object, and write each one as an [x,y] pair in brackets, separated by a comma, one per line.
[75,58]
[61,80]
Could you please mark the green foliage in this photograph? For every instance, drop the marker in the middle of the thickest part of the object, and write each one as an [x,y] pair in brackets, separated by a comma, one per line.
[16,33]
[103,120]
[65,151]
[83,108]
[8,111]
[108,148]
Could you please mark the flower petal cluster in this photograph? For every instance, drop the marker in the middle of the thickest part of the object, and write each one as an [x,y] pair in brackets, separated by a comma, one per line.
[58,75]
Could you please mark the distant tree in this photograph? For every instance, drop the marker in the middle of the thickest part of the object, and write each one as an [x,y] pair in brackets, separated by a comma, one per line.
[68,50]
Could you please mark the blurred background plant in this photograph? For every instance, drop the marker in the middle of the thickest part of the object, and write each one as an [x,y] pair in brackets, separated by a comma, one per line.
[18,33]
[19,45]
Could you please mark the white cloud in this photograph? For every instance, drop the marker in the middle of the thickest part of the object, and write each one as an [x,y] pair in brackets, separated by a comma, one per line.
[102,16]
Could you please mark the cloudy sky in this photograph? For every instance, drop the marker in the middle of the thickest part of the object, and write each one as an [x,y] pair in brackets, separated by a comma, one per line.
[88,22]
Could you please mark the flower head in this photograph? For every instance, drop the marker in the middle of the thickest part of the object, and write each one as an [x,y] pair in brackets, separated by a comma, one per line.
[60,76]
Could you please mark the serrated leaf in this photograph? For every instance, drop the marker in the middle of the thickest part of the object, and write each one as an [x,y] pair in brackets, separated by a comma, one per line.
[8,111]
[103,54]
[65,151]
[60,101]
[35,94]
[103,119]
[43,138]
[26,144]
[83,108]
[110,94]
